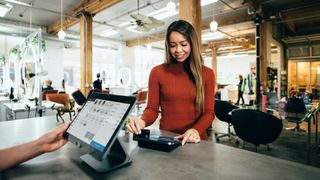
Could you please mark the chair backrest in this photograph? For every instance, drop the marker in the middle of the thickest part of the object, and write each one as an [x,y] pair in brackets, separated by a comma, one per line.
[222,110]
[92,91]
[256,126]
[295,105]
[44,93]
[107,91]
[141,97]
[272,98]
[58,98]
[79,97]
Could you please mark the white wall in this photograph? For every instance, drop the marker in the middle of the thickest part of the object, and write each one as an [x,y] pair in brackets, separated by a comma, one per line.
[230,67]
[53,62]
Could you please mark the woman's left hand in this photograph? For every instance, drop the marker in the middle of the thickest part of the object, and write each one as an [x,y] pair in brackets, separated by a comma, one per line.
[190,136]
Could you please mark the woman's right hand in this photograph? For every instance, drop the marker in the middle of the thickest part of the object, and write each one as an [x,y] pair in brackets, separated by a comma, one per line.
[135,124]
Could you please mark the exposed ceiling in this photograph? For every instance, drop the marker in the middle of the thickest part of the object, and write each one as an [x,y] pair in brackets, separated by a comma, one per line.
[291,17]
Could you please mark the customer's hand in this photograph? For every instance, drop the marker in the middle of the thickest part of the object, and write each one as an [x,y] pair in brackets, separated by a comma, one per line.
[135,124]
[52,140]
[190,136]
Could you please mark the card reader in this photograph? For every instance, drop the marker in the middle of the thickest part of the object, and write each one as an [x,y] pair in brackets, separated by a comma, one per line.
[145,140]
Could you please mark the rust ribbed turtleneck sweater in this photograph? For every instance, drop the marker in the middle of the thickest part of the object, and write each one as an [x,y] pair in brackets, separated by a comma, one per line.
[171,89]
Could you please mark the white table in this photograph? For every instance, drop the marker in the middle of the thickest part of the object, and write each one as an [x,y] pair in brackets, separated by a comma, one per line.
[18,110]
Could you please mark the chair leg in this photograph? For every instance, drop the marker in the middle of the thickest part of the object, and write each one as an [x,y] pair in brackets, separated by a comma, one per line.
[296,128]
[268,147]
[229,134]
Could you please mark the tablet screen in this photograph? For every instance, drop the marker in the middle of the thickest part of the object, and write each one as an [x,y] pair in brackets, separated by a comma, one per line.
[98,121]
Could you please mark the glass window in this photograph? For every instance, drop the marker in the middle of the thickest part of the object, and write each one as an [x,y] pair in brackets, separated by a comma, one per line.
[303,76]
[105,62]
[292,79]
[145,60]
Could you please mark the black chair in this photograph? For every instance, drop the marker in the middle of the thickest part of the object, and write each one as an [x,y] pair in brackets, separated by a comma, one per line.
[223,110]
[295,111]
[256,126]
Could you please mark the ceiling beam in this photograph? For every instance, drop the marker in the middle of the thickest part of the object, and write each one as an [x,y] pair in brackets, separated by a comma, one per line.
[87,6]
[222,21]
[146,40]
[293,17]
[227,43]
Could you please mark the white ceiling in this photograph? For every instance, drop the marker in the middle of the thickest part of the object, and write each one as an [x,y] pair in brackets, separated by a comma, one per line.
[45,12]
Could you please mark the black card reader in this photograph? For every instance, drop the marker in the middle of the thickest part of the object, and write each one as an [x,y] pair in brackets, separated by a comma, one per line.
[145,140]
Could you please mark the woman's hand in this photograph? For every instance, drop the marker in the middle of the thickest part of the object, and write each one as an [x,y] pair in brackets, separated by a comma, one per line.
[135,124]
[52,140]
[190,136]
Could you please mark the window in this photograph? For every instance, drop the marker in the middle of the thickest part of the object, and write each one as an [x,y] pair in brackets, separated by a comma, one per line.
[145,60]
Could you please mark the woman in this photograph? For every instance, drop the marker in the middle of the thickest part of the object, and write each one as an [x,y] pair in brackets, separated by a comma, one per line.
[182,87]
[241,86]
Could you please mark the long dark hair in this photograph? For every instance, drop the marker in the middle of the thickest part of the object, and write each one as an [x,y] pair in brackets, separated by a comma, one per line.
[194,62]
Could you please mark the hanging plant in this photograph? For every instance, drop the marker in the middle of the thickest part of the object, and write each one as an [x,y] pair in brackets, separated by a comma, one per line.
[13,51]
[3,60]
[43,43]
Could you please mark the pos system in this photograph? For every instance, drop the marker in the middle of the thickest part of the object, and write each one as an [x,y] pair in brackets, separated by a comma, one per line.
[155,142]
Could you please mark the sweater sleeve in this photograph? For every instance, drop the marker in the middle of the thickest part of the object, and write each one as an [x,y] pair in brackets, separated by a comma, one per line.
[207,116]
[150,113]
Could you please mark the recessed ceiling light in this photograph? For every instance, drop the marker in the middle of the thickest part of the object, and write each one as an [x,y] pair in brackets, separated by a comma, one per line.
[108,32]
[206,2]
[4,9]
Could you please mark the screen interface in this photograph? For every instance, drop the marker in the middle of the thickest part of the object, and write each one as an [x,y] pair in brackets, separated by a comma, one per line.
[97,121]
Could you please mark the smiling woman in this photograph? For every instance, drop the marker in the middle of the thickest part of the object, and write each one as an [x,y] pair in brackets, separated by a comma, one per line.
[182,87]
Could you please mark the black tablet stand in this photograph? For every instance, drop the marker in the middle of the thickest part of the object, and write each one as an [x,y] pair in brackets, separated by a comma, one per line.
[115,158]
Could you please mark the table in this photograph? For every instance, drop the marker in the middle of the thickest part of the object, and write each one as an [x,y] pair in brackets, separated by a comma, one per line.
[206,160]
[3,99]
[17,110]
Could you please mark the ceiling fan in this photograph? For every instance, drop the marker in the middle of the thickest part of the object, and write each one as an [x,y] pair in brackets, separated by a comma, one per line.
[145,23]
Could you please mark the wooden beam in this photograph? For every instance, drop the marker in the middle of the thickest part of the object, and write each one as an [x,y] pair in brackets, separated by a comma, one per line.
[146,40]
[214,62]
[87,6]
[300,14]
[190,10]
[85,53]
[264,47]
[232,43]
[222,21]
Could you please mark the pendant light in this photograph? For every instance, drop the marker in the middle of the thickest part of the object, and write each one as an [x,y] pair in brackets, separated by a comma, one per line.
[213,24]
[61,33]
[171,6]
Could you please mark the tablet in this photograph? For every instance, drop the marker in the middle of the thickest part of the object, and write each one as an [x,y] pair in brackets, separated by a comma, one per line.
[99,121]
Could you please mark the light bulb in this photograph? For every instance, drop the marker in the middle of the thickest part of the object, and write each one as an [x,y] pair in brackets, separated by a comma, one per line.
[61,34]
[213,25]
[171,6]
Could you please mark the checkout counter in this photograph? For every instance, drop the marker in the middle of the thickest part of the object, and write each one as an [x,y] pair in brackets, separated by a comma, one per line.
[205,160]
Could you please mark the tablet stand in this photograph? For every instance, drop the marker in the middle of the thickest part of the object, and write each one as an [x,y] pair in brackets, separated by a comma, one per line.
[116,157]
